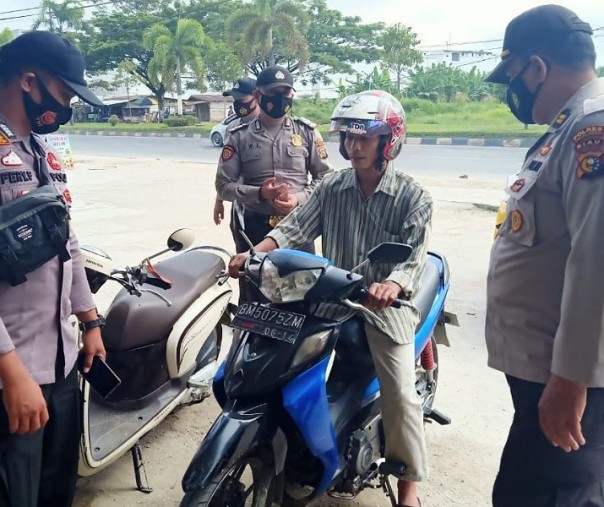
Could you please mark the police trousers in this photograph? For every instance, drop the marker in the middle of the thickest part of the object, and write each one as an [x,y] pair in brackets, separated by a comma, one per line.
[534,473]
[40,470]
[402,413]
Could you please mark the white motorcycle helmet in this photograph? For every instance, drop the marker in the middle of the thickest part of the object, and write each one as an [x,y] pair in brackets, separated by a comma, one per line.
[371,113]
[98,266]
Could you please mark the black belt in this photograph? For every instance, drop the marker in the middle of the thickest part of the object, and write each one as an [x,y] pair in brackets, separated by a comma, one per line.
[271,220]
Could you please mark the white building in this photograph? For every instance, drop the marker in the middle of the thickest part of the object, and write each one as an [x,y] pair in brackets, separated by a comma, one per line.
[483,60]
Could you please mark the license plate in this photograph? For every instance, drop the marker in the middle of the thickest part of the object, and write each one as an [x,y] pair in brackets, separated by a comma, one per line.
[271,322]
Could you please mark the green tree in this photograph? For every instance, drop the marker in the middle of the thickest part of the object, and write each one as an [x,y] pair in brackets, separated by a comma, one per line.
[175,52]
[6,36]
[400,53]
[336,42]
[65,18]
[267,32]
[222,66]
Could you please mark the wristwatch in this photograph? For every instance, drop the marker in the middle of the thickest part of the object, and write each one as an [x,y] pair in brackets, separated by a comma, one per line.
[86,326]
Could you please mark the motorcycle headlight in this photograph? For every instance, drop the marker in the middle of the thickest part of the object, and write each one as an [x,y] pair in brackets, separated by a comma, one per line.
[313,346]
[287,289]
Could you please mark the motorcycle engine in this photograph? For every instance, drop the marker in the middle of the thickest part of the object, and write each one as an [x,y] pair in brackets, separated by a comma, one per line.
[364,449]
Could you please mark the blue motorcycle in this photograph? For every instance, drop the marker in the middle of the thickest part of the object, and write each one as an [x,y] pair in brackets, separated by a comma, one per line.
[299,394]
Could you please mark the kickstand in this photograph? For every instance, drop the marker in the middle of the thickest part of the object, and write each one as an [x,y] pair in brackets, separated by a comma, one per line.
[137,461]
[387,487]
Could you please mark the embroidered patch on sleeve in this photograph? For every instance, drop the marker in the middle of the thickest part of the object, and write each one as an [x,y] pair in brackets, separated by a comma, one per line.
[227,153]
[589,148]
[517,220]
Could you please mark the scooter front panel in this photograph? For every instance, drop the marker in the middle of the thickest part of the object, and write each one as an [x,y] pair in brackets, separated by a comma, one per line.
[305,399]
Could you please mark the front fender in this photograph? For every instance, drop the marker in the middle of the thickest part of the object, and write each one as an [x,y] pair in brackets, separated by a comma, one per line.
[237,432]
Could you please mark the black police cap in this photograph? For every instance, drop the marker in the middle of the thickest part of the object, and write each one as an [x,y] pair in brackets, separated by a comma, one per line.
[243,86]
[533,30]
[274,77]
[52,53]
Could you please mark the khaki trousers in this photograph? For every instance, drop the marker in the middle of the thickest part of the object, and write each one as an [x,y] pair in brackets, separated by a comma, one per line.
[402,412]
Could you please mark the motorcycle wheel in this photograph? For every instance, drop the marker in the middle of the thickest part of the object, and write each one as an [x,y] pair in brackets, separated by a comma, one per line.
[245,484]
[426,387]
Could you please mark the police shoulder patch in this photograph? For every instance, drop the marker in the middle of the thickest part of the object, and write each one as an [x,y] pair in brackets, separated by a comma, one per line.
[306,122]
[227,153]
[589,150]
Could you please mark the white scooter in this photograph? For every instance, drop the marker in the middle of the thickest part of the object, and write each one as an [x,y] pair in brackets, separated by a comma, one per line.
[162,336]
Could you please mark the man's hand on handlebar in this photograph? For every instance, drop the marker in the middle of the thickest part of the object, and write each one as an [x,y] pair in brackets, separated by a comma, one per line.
[237,263]
[382,295]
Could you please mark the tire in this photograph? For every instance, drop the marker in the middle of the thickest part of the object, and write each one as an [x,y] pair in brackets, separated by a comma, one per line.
[217,140]
[227,490]
[422,381]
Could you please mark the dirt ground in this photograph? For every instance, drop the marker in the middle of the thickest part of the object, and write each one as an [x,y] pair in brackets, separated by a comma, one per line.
[128,207]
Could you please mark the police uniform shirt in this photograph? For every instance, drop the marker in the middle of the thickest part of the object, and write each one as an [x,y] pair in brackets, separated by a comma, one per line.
[35,314]
[545,288]
[253,155]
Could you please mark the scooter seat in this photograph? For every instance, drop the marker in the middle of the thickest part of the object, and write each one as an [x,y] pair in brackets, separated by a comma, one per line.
[138,321]
[424,298]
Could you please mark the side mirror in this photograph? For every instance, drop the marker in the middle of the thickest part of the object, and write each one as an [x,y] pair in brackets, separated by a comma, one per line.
[390,252]
[181,239]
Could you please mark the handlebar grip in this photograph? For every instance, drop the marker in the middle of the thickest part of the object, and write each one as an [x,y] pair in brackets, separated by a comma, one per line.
[156,282]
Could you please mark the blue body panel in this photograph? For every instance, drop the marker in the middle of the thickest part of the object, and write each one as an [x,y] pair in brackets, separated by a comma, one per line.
[305,399]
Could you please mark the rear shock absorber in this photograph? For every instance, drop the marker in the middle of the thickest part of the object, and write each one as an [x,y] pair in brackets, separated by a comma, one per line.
[427,357]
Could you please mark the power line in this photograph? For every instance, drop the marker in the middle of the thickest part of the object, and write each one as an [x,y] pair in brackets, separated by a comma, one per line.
[22,16]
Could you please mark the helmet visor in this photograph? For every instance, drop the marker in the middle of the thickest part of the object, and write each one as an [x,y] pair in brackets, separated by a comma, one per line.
[369,128]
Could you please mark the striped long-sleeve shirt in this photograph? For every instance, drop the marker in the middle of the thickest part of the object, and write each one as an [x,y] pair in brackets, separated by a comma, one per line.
[351,225]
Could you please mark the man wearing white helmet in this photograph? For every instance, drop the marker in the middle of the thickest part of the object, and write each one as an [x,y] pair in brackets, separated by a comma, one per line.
[355,210]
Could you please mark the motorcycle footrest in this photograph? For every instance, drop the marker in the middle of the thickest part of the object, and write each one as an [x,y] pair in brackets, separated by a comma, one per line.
[393,468]
[438,417]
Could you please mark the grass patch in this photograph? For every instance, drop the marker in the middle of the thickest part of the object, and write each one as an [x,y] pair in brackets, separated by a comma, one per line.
[487,119]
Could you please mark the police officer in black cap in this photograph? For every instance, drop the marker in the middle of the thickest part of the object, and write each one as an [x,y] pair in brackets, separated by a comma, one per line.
[245,109]
[40,73]
[272,164]
[545,296]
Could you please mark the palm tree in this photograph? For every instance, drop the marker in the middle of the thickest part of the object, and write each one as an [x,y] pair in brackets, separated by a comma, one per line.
[173,52]
[64,18]
[268,31]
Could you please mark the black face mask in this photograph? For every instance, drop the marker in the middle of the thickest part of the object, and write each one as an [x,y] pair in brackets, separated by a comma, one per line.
[276,106]
[48,116]
[243,108]
[520,99]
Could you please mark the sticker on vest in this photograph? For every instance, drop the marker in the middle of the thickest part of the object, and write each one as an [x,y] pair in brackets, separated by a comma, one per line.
[589,147]
[517,220]
[4,140]
[24,232]
[11,159]
[518,185]
[53,161]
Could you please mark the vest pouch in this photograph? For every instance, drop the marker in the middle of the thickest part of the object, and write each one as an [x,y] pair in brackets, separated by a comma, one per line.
[34,229]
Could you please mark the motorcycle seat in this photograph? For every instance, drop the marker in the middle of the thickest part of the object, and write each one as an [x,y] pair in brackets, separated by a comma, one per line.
[424,298]
[135,322]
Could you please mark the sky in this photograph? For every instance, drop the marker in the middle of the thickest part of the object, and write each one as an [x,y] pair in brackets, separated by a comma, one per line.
[437,22]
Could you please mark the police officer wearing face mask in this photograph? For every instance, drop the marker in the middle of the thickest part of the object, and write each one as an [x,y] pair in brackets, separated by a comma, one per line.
[545,290]
[42,278]
[272,164]
[245,108]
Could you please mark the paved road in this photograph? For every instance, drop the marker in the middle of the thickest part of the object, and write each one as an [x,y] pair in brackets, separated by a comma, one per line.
[473,161]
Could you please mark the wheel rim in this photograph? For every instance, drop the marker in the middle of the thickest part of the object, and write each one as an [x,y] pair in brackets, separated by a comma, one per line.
[240,487]
[216,139]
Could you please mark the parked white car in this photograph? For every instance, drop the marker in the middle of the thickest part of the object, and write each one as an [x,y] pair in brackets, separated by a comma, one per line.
[219,131]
